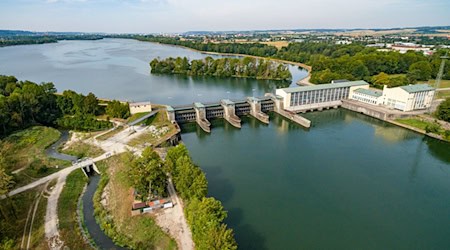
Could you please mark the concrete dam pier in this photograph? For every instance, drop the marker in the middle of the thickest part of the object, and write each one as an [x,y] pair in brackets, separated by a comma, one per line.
[230,110]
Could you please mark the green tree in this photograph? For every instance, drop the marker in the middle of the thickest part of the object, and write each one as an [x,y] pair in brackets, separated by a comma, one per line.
[443,111]
[420,71]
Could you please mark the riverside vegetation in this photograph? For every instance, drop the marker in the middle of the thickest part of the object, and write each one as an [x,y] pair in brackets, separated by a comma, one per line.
[246,67]
[148,176]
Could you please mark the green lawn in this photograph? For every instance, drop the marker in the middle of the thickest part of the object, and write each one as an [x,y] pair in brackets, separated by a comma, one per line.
[67,211]
[414,122]
[26,150]
[443,94]
[136,116]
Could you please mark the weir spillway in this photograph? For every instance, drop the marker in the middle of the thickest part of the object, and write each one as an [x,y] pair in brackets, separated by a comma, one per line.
[231,110]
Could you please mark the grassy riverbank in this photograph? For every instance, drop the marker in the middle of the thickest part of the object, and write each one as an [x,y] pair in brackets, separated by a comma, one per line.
[69,229]
[425,127]
[24,154]
[137,232]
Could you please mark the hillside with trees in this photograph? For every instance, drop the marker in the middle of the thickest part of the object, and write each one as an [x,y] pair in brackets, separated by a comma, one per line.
[247,67]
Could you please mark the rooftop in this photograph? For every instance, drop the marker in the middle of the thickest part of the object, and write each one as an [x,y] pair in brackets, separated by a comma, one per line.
[134,104]
[227,102]
[370,92]
[325,86]
[198,105]
[417,88]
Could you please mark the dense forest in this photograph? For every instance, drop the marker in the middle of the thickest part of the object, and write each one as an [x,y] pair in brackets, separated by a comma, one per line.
[25,103]
[247,67]
[331,61]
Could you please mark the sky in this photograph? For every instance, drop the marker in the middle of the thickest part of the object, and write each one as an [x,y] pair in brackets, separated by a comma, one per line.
[172,16]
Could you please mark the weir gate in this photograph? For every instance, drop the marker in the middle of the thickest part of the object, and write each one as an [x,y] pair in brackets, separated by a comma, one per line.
[230,110]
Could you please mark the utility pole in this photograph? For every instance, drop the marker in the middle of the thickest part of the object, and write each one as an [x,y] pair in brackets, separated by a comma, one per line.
[437,82]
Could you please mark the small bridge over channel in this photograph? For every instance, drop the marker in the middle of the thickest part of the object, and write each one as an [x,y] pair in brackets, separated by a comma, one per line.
[231,110]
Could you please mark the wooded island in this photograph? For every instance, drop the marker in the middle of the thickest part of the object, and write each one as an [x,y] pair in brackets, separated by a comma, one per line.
[246,67]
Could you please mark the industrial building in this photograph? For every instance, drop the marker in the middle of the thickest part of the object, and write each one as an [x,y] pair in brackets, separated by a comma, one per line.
[320,96]
[404,98]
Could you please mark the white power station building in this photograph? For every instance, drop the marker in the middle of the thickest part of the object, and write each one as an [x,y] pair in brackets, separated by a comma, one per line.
[404,98]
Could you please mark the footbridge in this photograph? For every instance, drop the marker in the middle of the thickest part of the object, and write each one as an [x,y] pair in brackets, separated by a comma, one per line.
[231,110]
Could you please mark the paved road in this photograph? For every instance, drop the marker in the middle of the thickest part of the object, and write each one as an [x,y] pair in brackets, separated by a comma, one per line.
[59,174]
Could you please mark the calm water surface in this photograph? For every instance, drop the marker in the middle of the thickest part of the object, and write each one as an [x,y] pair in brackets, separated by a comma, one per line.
[350,182]
[119,68]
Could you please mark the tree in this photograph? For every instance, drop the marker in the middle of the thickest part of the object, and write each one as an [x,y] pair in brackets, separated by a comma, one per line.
[90,104]
[420,71]
[118,110]
[443,111]
[147,175]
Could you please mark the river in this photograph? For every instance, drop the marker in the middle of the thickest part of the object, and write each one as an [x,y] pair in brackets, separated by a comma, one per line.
[349,182]
[119,69]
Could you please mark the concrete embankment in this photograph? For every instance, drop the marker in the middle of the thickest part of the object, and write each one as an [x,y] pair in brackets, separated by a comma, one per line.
[295,118]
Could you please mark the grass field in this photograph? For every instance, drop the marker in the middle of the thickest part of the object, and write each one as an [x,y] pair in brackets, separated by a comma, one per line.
[26,150]
[67,211]
[443,84]
[81,150]
[136,231]
[160,121]
[443,94]
[277,44]
[134,117]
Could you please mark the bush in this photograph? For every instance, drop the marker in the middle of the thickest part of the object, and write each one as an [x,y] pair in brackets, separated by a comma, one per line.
[432,128]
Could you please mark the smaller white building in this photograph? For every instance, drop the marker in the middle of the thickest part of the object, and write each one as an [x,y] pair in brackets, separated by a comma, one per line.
[369,96]
[408,98]
[140,107]
[404,98]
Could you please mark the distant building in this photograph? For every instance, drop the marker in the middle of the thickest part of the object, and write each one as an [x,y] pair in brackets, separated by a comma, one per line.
[140,107]
[404,98]
[405,47]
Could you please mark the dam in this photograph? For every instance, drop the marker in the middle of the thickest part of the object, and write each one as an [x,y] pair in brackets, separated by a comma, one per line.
[231,110]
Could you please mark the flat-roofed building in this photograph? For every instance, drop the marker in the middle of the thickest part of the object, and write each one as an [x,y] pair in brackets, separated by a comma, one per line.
[140,107]
[374,97]
[408,98]
[318,96]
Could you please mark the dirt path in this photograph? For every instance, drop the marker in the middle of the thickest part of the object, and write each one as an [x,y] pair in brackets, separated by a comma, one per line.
[51,215]
[174,222]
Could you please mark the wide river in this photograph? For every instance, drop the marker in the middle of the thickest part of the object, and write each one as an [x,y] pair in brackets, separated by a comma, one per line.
[119,69]
[349,182]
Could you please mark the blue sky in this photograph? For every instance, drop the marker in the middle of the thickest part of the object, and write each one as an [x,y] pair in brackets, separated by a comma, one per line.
[154,16]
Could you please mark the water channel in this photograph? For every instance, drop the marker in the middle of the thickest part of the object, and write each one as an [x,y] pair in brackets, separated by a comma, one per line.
[348,182]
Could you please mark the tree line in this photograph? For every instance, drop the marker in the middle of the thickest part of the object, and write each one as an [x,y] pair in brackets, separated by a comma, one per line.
[247,67]
[148,175]
[11,40]
[331,61]
[25,103]
[205,215]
